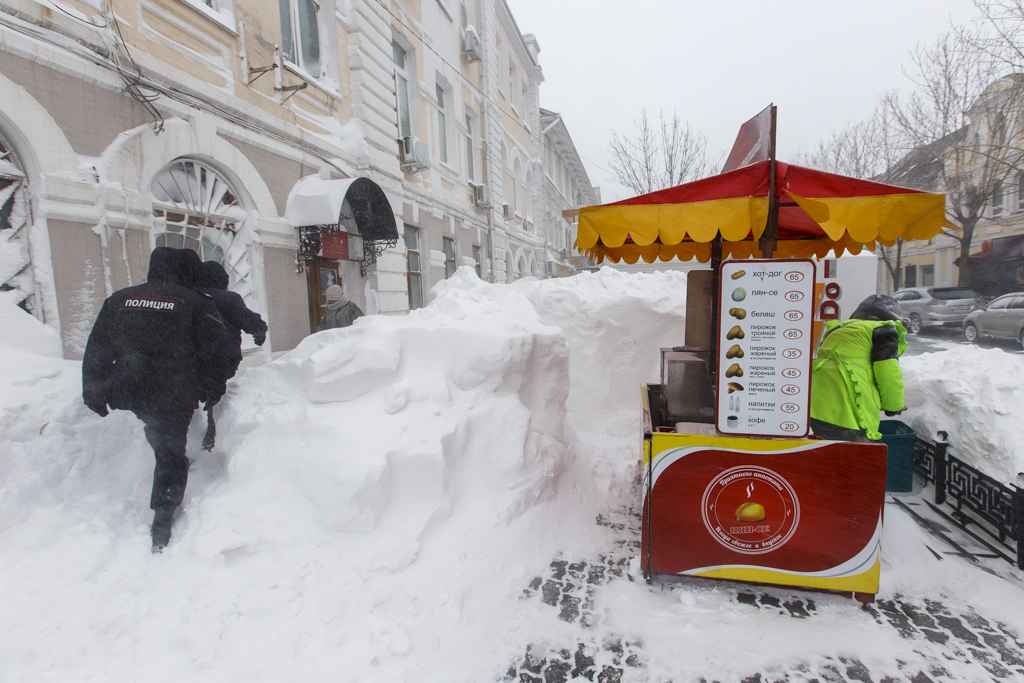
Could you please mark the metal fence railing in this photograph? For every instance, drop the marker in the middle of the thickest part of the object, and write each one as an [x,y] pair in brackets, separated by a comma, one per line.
[986,509]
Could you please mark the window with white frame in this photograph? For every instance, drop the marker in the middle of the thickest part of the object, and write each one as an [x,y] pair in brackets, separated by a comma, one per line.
[1020,191]
[517,182]
[300,37]
[400,58]
[497,65]
[413,270]
[529,195]
[442,126]
[450,266]
[504,171]
[997,199]
[470,147]
[525,100]
[478,256]
[512,82]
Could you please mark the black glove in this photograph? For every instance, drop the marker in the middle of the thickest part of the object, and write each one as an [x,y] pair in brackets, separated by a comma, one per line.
[95,401]
[893,413]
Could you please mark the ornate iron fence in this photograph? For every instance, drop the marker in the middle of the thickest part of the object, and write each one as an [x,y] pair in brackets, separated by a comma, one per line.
[979,501]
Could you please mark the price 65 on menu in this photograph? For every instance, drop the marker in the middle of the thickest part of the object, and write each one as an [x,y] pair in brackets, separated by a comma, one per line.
[765,347]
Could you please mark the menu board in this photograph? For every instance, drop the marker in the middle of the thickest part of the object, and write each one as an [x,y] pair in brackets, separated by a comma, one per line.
[766,309]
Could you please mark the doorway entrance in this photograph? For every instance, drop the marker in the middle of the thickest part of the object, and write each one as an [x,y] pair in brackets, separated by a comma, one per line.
[321,274]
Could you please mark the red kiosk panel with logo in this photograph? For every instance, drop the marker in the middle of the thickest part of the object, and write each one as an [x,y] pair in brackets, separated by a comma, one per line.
[794,512]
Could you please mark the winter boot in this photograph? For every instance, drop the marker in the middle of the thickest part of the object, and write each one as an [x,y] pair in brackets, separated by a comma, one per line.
[161,530]
[210,438]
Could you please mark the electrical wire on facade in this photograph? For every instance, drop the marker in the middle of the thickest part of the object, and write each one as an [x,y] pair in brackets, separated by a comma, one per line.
[134,83]
[146,91]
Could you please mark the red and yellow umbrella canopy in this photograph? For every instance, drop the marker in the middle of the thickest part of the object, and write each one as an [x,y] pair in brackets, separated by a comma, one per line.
[819,212]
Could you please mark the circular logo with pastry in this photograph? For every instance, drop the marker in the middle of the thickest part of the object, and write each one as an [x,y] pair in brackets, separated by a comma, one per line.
[750,510]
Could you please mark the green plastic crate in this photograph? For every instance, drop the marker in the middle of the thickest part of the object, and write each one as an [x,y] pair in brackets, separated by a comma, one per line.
[899,437]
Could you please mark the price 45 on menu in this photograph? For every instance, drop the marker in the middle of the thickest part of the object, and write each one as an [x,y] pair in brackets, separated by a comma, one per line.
[765,347]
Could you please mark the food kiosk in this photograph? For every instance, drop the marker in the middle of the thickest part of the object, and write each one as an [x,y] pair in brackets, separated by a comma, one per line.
[734,485]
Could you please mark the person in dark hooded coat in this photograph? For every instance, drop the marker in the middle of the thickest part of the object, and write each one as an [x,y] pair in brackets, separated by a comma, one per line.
[154,351]
[213,282]
[856,372]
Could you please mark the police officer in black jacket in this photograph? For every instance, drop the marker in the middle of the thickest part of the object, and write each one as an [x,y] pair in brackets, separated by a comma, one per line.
[154,351]
[213,282]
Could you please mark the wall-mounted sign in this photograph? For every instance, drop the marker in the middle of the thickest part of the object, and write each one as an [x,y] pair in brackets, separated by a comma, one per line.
[765,344]
[341,246]
[335,244]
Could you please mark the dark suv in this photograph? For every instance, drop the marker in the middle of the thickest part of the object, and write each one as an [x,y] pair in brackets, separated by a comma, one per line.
[935,306]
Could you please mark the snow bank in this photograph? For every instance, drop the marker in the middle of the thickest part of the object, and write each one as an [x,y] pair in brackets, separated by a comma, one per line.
[615,325]
[976,396]
[20,330]
[378,499]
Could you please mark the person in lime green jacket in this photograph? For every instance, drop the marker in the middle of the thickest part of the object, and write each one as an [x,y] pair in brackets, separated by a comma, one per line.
[856,372]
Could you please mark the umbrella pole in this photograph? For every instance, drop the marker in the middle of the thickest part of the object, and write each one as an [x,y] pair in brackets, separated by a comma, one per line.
[771,232]
[716,281]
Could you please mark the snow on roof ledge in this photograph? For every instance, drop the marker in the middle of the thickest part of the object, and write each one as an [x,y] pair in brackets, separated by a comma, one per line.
[314,201]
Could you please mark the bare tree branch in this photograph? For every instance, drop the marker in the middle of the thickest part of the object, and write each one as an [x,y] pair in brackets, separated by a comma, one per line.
[656,158]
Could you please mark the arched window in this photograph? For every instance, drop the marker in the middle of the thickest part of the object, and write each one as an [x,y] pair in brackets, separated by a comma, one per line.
[195,207]
[18,284]
[517,183]
[529,195]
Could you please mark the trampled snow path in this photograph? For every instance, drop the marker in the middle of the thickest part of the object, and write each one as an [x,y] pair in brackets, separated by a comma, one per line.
[936,642]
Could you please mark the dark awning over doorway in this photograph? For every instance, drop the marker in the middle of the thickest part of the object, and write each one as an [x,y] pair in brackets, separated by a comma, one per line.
[318,202]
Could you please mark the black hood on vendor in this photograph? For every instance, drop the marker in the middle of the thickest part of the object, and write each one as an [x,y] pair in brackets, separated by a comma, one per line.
[878,307]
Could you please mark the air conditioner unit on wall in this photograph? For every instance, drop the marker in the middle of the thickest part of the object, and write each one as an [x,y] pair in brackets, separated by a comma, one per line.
[507,212]
[481,196]
[565,254]
[471,44]
[414,154]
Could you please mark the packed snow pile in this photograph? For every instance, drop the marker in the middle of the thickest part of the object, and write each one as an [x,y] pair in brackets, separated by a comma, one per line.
[378,498]
[976,396]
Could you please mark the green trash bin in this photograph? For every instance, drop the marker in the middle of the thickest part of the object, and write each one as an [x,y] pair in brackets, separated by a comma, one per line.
[899,437]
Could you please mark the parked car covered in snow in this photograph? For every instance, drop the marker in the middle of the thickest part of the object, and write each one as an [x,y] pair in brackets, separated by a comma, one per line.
[1003,318]
[935,306]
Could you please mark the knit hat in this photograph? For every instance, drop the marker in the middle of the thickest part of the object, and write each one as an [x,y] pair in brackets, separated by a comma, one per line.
[878,307]
[335,292]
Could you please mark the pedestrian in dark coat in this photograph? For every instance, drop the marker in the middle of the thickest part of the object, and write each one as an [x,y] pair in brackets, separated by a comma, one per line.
[213,282]
[154,351]
[338,311]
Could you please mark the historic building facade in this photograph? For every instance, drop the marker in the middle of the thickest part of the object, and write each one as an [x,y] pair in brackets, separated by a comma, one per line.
[300,143]
[981,166]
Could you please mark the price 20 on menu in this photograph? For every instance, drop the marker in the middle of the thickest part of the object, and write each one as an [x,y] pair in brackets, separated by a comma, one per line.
[765,347]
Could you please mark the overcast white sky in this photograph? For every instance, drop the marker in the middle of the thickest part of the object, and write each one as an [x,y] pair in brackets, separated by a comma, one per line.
[717,63]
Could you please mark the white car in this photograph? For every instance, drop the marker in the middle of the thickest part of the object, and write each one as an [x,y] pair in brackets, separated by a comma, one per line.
[936,306]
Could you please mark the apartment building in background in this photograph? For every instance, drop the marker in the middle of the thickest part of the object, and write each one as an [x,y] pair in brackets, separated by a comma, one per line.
[302,143]
[987,156]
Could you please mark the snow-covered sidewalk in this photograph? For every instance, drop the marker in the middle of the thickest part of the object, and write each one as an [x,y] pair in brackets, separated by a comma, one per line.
[400,500]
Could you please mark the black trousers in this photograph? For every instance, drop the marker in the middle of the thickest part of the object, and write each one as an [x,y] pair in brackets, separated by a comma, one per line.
[167,433]
[827,430]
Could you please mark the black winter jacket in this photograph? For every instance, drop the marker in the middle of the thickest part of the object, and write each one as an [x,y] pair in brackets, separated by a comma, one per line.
[213,281]
[154,347]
